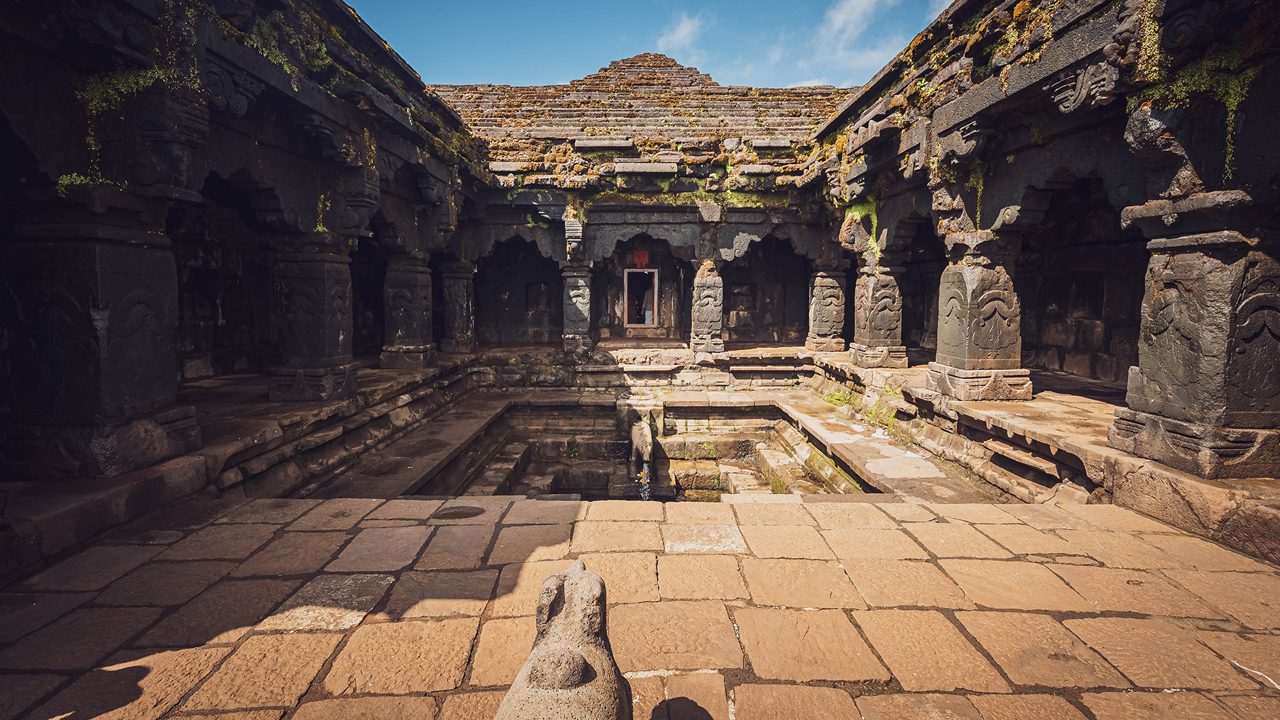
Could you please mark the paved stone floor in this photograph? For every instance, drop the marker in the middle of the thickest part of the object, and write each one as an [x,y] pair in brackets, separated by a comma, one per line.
[768,607]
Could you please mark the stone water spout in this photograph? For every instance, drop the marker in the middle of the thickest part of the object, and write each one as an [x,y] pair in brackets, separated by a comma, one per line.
[570,673]
[641,461]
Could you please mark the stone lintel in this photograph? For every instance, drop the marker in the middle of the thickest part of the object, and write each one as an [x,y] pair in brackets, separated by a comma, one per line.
[603,143]
[646,168]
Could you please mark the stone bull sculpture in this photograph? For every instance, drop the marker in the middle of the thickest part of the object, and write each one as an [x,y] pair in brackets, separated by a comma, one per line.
[570,673]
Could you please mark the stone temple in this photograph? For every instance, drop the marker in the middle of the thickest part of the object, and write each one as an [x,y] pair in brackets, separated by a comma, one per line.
[956,394]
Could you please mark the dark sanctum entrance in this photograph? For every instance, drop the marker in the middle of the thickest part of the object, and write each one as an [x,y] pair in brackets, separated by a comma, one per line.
[644,292]
[518,296]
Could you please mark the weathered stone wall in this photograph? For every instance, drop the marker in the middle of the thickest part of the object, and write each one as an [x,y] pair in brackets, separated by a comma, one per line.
[766,295]
[518,296]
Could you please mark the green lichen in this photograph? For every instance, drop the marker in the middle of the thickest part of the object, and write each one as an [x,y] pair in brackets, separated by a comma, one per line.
[266,40]
[976,183]
[66,182]
[322,208]
[839,398]
[777,485]
[1220,75]
[1151,61]
[867,210]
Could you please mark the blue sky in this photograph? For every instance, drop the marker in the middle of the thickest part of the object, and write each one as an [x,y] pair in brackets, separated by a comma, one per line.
[767,43]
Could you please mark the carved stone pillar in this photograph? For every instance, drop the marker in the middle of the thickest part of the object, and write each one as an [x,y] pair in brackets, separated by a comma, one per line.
[1205,395]
[311,278]
[91,309]
[877,315]
[407,325]
[577,308]
[458,279]
[826,311]
[979,334]
[707,333]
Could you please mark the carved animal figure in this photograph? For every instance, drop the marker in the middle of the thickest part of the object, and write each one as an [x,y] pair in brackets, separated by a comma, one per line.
[570,673]
[641,445]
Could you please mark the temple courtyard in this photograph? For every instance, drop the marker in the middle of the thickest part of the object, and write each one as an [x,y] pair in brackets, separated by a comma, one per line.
[760,606]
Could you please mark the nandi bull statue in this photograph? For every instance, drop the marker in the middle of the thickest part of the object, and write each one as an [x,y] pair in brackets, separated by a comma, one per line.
[641,462]
[570,673]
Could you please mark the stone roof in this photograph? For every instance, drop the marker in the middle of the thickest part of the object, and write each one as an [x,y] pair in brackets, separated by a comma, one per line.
[646,96]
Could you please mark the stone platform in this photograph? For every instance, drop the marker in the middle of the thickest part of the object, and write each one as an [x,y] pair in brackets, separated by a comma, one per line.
[764,607]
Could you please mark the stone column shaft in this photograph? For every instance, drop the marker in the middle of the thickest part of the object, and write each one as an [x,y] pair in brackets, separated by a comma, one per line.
[458,279]
[93,368]
[407,302]
[707,333]
[311,278]
[877,316]
[826,311]
[979,332]
[1205,395]
[578,336]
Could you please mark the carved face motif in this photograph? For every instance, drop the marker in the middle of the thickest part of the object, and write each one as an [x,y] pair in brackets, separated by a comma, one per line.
[826,308]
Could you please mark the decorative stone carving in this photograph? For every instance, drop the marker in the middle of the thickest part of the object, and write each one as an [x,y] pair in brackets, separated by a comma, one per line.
[877,317]
[458,281]
[230,90]
[826,311]
[577,308]
[1090,87]
[407,324]
[311,280]
[979,333]
[707,333]
[570,673]
[1205,395]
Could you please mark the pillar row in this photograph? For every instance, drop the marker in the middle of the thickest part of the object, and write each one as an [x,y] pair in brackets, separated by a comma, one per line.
[311,280]
[877,314]
[979,316]
[707,331]
[1205,395]
[408,321]
[458,281]
[826,311]
[578,335]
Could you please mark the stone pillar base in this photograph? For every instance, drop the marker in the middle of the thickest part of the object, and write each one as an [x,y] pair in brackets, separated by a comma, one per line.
[890,356]
[328,383]
[980,384]
[1209,451]
[407,357]
[39,453]
[707,345]
[824,344]
[578,343]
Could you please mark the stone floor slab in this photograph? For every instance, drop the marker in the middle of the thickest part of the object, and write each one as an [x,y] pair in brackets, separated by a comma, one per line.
[456,547]
[411,656]
[916,705]
[78,640]
[19,692]
[545,512]
[1114,517]
[700,577]
[786,541]
[624,511]
[220,542]
[628,577]
[771,702]
[329,602]
[1133,591]
[1120,549]
[1200,554]
[905,583]
[1026,540]
[974,513]
[519,585]
[337,514]
[853,544]
[702,538]
[272,511]
[1180,705]
[92,569]
[696,696]
[381,550]
[591,536]
[23,613]
[800,583]
[766,514]
[804,646]
[529,543]
[699,513]
[1249,707]
[675,635]
[955,540]
[1025,707]
[164,583]
[1035,649]
[500,652]
[1014,585]
[405,509]
[134,685]
[1158,654]
[907,512]
[1251,598]
[293,554]
[438,594]
[833,515]
[926,652]
[1257,655]
[265,671]
[472,705]
[368,708]
[493,509]
[222,614]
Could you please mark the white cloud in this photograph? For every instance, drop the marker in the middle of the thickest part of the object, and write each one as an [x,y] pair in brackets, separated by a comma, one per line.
[840,50]
[809,83]
[680,37]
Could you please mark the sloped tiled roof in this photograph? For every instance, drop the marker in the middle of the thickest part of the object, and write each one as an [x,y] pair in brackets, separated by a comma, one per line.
[648,95]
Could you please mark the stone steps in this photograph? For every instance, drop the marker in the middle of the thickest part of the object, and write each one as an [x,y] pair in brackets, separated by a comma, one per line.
[502,471]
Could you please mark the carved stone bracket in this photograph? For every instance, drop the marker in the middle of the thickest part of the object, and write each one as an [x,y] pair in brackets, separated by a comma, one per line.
[1091,86]
[578,335]
[230,90]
